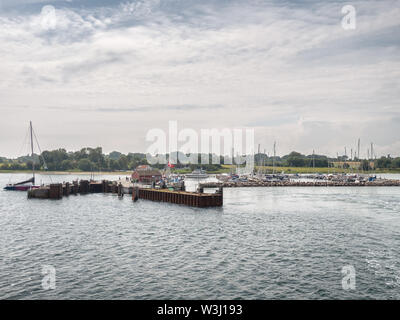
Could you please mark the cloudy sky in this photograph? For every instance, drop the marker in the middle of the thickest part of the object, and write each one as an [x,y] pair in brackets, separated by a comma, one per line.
[102,73]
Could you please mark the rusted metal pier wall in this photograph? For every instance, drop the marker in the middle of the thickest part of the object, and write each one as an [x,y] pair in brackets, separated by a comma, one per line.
[194,199]
[200,200]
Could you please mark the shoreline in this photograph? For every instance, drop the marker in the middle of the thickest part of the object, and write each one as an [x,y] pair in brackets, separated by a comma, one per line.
[298,170]
[104,173]
[101,173]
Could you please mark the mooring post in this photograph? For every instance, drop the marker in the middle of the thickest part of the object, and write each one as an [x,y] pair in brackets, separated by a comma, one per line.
[120,191]
[67,189]
[135,194]
[75,187]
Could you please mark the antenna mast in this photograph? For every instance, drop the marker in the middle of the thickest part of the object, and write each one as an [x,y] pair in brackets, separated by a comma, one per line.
[273,159]
[33,160]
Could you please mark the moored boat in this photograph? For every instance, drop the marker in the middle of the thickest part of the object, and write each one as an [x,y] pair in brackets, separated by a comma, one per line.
[28,184]
[197,174]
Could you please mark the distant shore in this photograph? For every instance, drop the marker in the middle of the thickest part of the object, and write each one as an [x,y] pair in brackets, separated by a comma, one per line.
[97,173]
[225,169]
[308,170]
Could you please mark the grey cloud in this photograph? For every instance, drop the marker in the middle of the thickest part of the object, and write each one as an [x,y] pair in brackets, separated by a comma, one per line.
[180,108]
[283,67]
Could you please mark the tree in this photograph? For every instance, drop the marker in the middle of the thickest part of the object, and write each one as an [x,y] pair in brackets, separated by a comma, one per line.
[396,163]
[365,165]
[96,156]
[384,162]
[123,162]
[85,165]
[114,165]
[296,159]
[66,165]
[115,155]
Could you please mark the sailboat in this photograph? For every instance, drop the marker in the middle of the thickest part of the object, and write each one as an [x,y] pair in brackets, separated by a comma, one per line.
[30,183]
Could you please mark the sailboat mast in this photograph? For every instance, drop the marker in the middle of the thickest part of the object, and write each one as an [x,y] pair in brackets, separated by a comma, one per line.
[273,159]
[33,160]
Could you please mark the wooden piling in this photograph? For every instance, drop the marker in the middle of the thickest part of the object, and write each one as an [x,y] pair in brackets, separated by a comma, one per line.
[75,188]
[67,189]
[56,191]
[84,187]
[135,194]
[120,191]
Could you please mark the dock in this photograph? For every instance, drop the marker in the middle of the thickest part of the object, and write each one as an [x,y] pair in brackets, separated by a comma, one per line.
[199,199]
[193,199]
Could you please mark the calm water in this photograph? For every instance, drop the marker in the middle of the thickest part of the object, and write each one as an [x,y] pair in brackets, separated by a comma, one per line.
[265,243]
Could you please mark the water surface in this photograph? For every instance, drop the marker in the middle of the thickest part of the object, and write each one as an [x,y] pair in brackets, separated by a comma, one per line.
[264,243]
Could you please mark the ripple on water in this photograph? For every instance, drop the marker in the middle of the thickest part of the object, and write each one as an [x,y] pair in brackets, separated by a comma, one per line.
[265,243]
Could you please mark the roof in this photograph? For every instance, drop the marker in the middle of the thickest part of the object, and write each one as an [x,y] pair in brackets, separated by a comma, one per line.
[143,167]
[148,172]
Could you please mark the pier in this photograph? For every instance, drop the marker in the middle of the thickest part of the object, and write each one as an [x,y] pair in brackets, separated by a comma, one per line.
[193,199]
[198,199]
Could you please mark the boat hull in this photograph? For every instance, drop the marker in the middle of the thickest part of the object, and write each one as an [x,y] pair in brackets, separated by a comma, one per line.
[20,188]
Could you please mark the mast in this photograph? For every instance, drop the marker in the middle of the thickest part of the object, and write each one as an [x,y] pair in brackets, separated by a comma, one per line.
[372,151]
[273,159]
[33,160]
[313,159]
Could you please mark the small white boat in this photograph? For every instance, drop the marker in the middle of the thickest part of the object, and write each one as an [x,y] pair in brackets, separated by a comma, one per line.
[197,174]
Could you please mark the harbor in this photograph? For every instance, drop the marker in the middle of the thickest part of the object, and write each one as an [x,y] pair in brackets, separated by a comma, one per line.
[294,181]
[57,191]
[150,183]
[172,190]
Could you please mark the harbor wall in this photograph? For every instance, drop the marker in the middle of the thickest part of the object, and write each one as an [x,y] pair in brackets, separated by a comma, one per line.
[194,199]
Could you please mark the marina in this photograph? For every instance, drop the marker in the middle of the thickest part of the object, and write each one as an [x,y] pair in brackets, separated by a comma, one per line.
[199,199]
[172,189]
[149,183]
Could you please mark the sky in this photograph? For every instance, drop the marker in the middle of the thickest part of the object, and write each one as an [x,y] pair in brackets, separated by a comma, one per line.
[103,73]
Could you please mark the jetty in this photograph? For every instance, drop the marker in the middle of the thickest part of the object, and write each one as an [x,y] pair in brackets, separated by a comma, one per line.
[294,183]
[198,199]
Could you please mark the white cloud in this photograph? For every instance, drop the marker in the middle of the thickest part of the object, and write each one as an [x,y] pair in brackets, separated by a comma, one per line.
[257,60]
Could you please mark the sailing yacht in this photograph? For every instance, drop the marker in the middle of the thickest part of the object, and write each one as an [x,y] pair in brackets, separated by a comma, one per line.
[30,183]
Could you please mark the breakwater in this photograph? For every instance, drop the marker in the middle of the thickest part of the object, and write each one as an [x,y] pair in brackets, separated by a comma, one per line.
[198,199]
[193,199]
[291,183]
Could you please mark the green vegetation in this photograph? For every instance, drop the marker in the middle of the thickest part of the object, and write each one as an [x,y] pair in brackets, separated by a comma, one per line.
[93,159]
[86,159]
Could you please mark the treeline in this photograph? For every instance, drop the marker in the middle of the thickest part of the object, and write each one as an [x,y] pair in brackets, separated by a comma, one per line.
[387,163]
[86,159]
[293,159]
[89,159]
[93,159]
